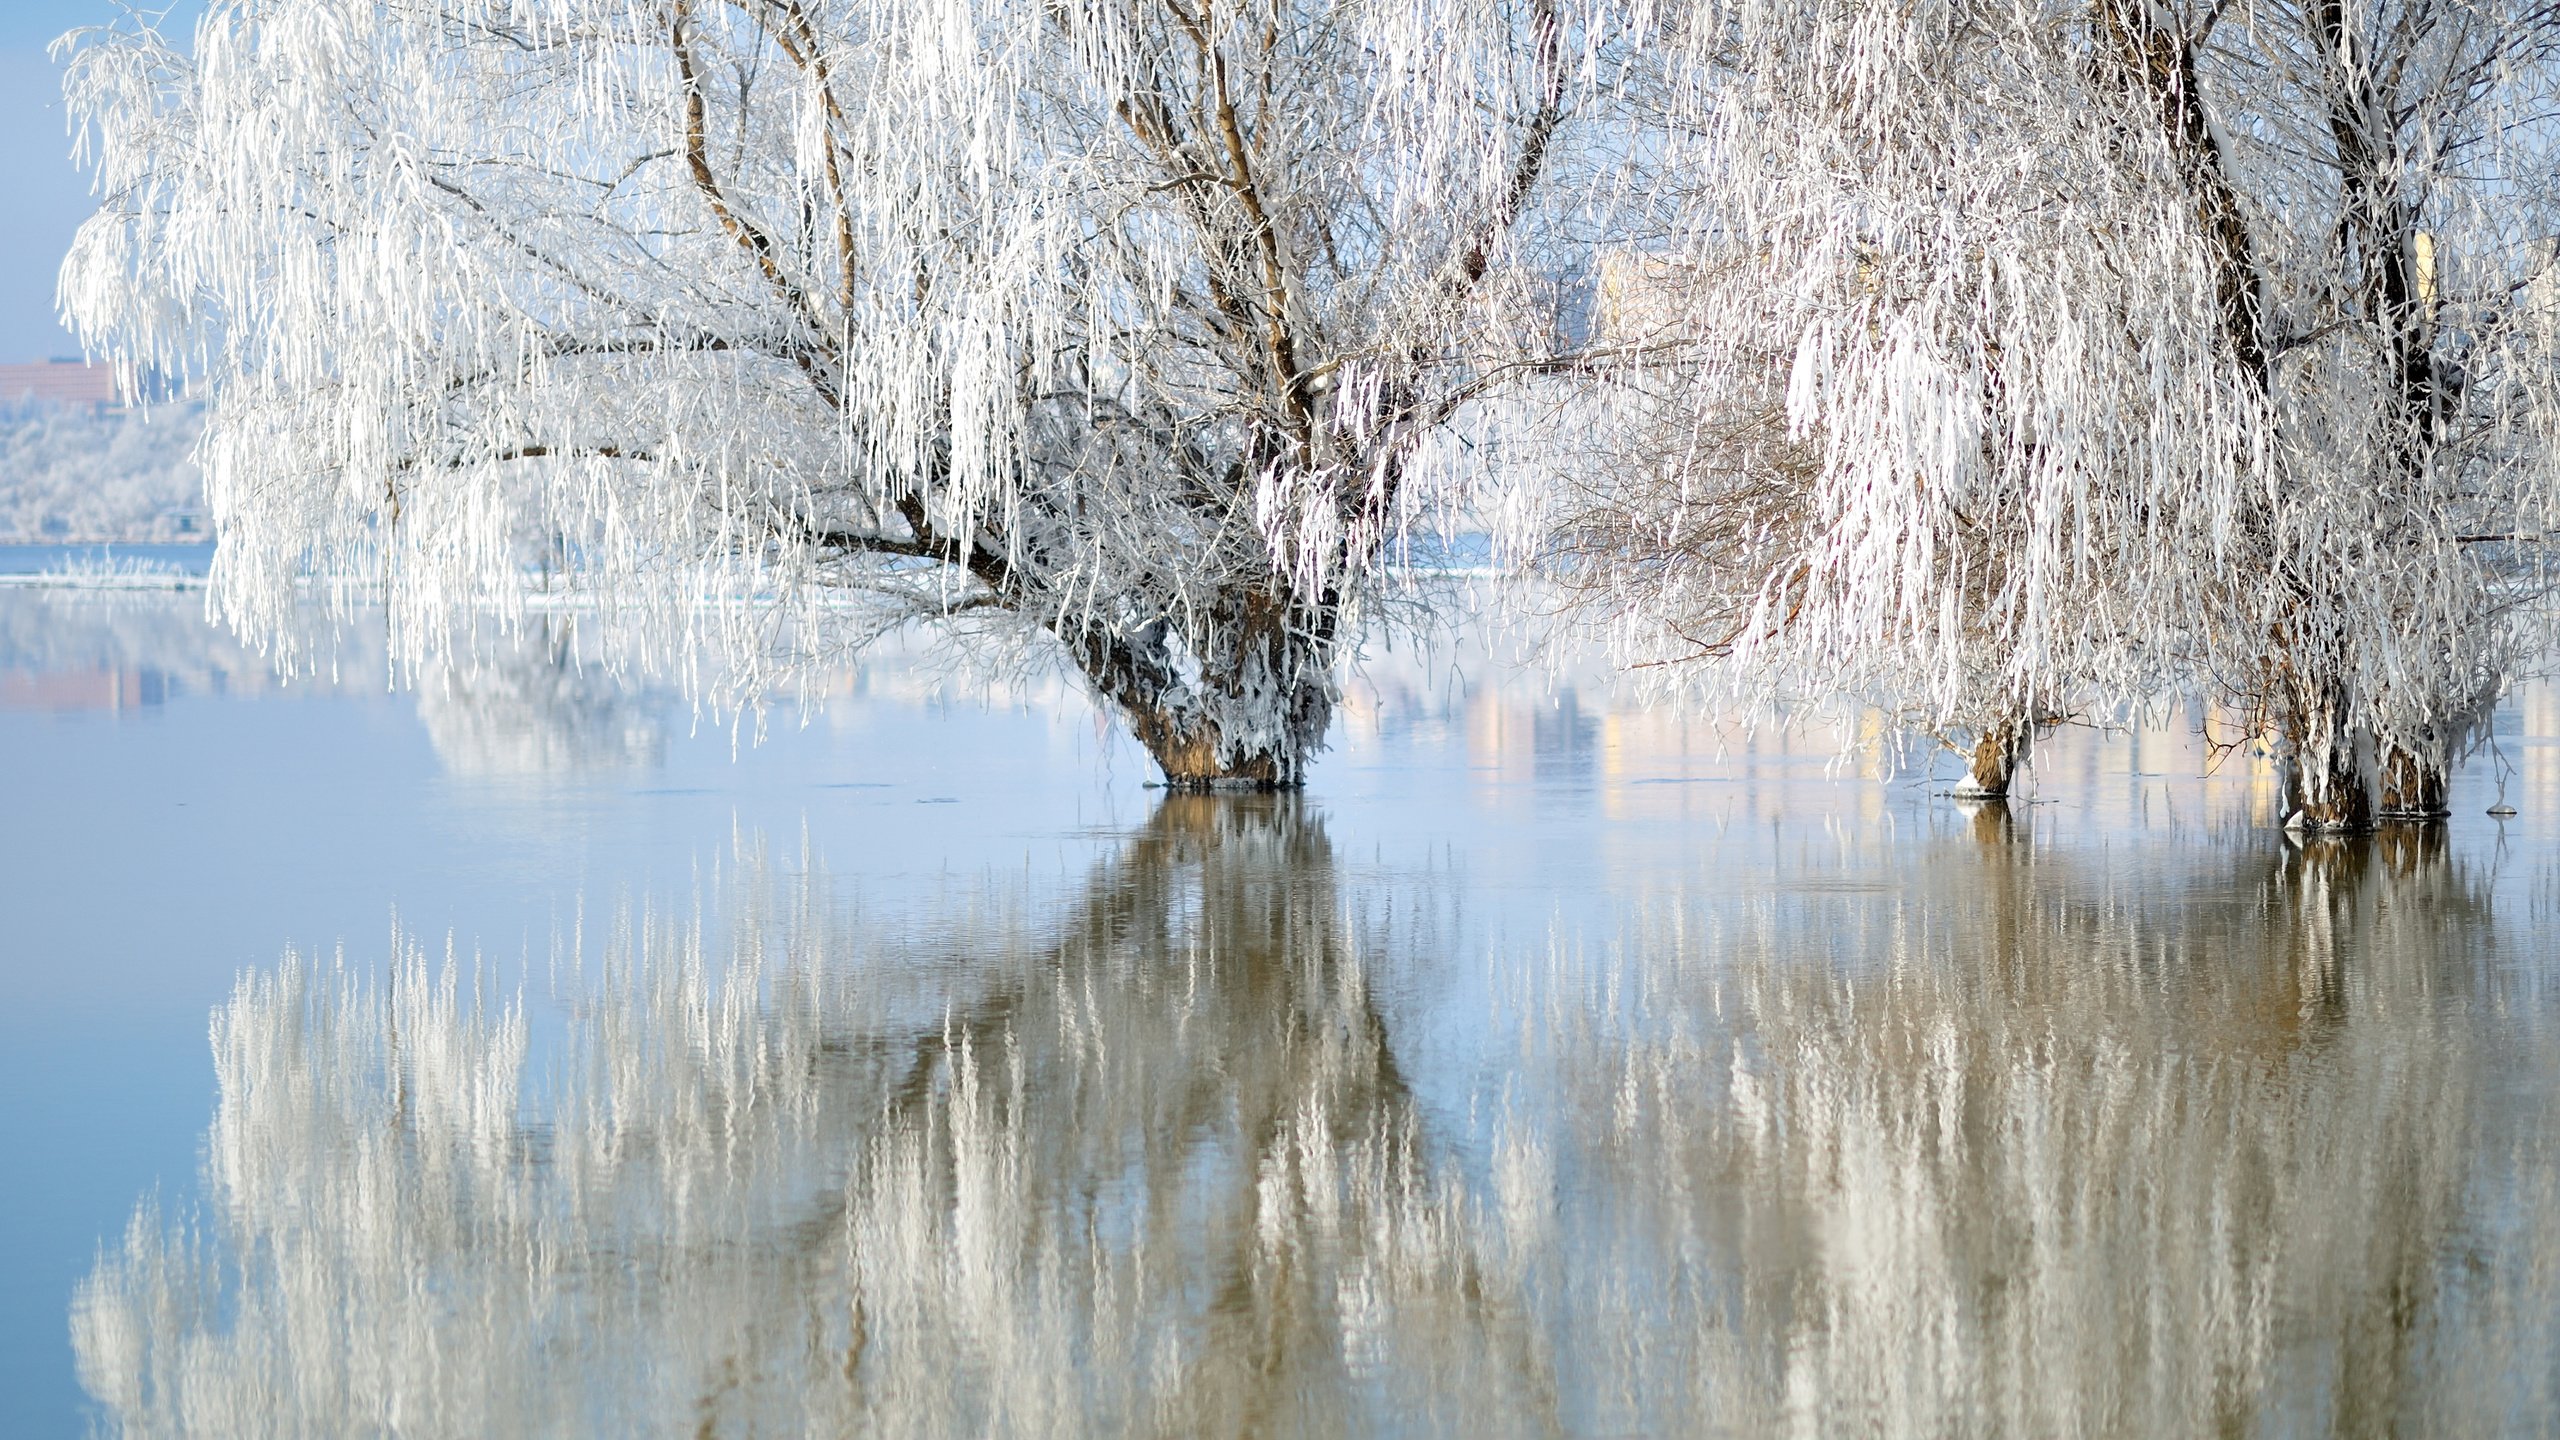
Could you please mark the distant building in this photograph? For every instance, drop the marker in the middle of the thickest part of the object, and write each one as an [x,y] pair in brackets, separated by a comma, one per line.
[61,382]
[63,691]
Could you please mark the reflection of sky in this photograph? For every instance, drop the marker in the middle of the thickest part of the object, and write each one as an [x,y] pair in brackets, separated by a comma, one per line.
[148,856]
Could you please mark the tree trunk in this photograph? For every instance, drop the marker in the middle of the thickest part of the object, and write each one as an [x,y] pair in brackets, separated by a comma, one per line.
[2418,762]
[1999,748]
[1198,751]
[1242,705]
[2413,786]
[2327,765]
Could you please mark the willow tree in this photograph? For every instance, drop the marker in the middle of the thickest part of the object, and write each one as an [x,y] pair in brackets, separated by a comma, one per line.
[2377,178]
[781,320]
[2053,354]
[1924,399]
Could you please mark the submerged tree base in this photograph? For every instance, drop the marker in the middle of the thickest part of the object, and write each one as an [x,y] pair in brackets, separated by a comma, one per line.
[2350,814]
[1195,760]
[2405,789]
[1229,785]
[2412,790]
[1997,752]
[2326,763]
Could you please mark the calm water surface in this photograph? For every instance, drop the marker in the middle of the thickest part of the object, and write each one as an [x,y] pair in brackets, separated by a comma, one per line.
[522,1056]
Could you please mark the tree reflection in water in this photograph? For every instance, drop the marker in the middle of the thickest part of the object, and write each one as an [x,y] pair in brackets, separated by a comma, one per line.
[2046,1158]
[2013,1144]
[530,704]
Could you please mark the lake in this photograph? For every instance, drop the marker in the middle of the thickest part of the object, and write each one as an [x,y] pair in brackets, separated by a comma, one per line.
[528,1054]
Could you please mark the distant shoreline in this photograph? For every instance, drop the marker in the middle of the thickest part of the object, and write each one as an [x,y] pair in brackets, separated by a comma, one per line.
[73,542]
[55,580]
[106,564]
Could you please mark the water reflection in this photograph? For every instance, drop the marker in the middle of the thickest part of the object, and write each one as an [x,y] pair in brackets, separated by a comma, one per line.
[1972,1136]
[2025,1151]
[65,650]
[100,689]
[520,702]
[1126,1183]
[531,704]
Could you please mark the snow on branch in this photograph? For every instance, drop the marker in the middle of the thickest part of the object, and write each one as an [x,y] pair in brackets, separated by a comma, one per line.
[1135,317]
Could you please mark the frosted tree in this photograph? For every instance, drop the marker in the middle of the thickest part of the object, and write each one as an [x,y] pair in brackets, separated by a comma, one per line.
[1924,399]
[2380,177]
[1999,362]
[776,322]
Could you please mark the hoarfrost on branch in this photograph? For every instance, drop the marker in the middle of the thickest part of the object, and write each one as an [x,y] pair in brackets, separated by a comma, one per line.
[1142,324]
[2003,363]
[1988,364]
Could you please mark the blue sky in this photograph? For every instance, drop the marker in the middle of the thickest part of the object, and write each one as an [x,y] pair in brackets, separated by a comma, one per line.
[47,198]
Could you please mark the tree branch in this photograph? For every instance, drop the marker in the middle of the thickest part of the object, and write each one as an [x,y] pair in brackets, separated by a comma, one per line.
[802,45]
[1546,47]
[749,236]
[1279,338]
[2159,65]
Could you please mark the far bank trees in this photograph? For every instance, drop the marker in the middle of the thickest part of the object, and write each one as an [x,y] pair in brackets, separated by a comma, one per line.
[1135,323]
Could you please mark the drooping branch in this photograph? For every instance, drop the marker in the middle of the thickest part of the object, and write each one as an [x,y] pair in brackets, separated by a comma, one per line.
[799,40]
[740,228]
[1474,259]
[2157,63]
[1147,115]
[1546,48]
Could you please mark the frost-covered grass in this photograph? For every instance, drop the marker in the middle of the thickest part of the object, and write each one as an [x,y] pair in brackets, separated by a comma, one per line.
[85,571]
